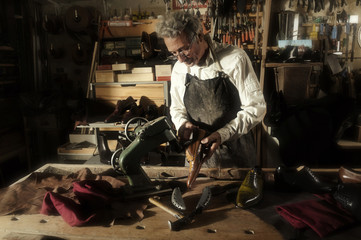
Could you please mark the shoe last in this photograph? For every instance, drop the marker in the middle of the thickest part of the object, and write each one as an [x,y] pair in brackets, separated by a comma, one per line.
[194,156]
[251,190]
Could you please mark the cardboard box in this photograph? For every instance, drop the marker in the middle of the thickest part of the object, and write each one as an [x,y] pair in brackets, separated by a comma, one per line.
[104,76]
[142,70]
[120,67]
[135,77]
[163,78]
[104,67]
[163,70]
[77,138]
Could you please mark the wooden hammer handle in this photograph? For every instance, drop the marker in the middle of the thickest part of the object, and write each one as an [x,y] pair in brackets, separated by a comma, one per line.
[175,213]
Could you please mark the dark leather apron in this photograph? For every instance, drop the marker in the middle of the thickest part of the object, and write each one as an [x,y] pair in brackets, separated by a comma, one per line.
[211,104]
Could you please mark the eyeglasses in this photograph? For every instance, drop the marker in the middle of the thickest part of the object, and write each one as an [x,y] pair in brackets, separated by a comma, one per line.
[185,50]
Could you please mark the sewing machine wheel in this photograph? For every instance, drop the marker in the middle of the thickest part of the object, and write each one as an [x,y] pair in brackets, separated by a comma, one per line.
[134,123]
[114,161]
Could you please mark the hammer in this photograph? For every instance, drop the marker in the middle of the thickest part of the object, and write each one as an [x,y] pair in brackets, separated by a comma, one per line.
[173,212]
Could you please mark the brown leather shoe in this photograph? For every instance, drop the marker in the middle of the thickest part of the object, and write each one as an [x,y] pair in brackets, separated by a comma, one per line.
[194,155]
[121,107]
[348,175]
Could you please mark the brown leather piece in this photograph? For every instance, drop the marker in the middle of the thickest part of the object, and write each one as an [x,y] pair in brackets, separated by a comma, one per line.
[348,175]
[194,155]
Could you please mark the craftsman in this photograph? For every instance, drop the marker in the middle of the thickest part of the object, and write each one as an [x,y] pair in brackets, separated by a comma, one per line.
[213,87]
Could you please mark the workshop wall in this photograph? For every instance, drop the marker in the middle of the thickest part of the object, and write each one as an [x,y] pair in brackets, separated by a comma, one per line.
[69,46]
[329,17]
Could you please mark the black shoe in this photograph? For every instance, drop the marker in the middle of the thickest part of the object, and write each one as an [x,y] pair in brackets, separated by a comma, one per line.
[104,152]
[349,196]
[300,179]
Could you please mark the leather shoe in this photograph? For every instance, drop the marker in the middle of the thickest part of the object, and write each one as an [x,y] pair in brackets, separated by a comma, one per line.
[349,196]
[300,179]
[194,156]
[348,175]
[251,190]
[121,107]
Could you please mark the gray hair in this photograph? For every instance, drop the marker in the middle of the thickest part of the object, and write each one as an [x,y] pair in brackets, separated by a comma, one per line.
[174,23]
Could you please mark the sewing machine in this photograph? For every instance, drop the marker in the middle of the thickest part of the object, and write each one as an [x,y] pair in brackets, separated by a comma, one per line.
[128,161]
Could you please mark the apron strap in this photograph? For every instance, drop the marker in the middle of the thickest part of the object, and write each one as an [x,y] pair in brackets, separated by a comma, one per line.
[208,39]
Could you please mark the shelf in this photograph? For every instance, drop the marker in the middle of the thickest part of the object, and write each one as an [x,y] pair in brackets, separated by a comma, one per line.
[7,65]
[129,83]
[348,144]
[294,64]
[7,82]
[6,48]
[131,31]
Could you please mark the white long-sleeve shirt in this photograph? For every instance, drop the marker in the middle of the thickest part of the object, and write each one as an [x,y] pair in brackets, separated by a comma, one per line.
[237,65]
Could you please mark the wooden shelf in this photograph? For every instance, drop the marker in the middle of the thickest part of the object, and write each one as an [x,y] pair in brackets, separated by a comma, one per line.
[7,65]
[348,144]
[131,31]
[294,64]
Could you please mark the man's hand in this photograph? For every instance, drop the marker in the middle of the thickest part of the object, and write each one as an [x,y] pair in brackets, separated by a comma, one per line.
[185,131]
[213,141]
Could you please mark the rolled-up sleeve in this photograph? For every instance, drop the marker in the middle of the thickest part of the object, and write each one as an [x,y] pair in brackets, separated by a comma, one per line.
[177,109]
[252,100]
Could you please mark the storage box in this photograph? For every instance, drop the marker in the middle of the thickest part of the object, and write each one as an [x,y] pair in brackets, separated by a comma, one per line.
[77,138]
[135,77]
[120,67]
[104,76]
[163,72]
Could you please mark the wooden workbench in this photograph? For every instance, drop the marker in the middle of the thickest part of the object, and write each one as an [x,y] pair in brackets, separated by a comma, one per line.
[221,219]
[221,216]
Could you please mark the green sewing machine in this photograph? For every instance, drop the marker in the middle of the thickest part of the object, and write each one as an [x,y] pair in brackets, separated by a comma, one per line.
[128,161]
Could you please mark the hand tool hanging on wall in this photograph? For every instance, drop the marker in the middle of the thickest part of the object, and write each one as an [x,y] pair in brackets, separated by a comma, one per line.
[56,52]
[310,6]
[52,24]
[347,32]
[354,29]
[78,19]
[79,54]
[359,36]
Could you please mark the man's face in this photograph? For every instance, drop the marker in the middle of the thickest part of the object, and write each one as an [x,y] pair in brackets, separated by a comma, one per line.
[187,52]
